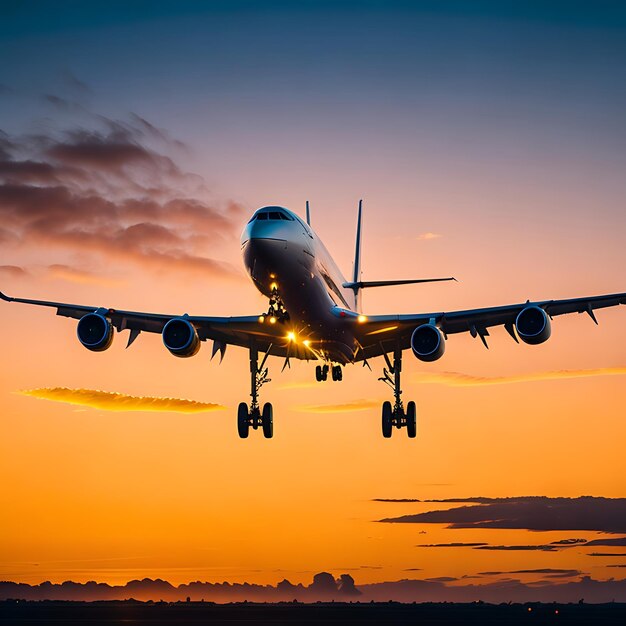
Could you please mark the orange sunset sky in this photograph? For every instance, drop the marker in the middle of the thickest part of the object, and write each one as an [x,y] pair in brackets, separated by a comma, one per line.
[486,146]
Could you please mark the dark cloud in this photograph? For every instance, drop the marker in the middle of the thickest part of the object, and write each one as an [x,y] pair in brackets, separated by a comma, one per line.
[611,554]
[108,193]
[62,103]
[456,544]
[544,570]
[395,500]
[568,542]
[541,548]
[529,512]
[619,541]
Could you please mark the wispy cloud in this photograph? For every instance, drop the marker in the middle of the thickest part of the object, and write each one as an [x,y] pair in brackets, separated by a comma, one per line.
[428,236]
[74,275]
[346,407]
[456,379]
[111,401]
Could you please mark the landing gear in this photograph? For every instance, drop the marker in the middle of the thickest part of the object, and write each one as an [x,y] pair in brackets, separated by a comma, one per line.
[321,372]
[396,415]
[253,416]
[276,312]
[337,372]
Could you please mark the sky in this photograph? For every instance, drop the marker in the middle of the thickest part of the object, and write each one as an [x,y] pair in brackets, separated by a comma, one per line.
[487,141]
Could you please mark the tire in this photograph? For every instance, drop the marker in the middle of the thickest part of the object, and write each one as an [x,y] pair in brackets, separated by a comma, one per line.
[386,422]
[411,420]
[318,373]
[243,425]
[325,372]
[267,420]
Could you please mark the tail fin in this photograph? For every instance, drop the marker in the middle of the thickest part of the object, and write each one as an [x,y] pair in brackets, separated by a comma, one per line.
[356,271]
[356,285]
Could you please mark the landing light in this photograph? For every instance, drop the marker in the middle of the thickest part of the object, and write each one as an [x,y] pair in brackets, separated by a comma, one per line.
[291,336]
[306,342]
[361,319]
[261,319]
[273,286]
[272,320]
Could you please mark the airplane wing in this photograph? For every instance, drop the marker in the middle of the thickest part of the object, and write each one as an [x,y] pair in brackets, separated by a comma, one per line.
[380,333]
[240,331]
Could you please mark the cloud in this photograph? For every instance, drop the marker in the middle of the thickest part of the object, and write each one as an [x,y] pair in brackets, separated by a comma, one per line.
[74,275]
[346,407]
[398,500]
[111,401]
[456,379]
[540,548]
[114,193]
[325,587]
[12,270]
[530,513]
[456,544]
[544,570]
[619,541]
[568,542]
[428,236]
[619,554]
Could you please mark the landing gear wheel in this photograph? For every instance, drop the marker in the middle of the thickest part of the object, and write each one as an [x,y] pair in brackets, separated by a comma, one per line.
[387,419]
[243,420]
[267,421]
[411,420]
[337,374]
[325,372]
[318,373]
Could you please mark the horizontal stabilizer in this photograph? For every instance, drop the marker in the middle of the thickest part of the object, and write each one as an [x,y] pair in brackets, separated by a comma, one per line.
[390,283]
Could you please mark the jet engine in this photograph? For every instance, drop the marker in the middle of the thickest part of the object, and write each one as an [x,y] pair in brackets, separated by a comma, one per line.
[181,338]
[533,325]
[427,343]
[95,332]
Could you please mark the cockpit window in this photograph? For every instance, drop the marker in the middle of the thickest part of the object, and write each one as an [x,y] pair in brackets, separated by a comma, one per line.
[272,215]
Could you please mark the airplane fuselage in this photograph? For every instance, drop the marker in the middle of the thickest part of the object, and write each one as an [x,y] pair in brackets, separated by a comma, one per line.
[283,254]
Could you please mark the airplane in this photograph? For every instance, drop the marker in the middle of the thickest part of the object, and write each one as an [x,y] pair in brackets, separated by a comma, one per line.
[314,314]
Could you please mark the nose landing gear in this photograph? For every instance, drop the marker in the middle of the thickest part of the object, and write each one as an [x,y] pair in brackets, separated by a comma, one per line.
[397,416]
[277,311]
[253,416]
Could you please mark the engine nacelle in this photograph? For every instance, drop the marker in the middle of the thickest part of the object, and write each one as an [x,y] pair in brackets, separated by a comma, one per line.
[181,338]
[427,343]
[533,325]
[95,332]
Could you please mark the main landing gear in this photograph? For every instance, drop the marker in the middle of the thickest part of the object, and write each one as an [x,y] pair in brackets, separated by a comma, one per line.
[321,372]
[254,416]
[397,415]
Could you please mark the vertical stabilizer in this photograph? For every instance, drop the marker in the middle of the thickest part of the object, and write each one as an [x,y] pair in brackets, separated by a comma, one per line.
[308,214]
[356,272]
